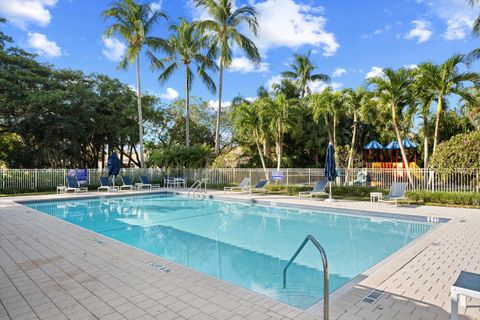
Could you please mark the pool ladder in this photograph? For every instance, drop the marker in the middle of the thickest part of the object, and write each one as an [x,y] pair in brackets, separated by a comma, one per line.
[325,270]
[197,187]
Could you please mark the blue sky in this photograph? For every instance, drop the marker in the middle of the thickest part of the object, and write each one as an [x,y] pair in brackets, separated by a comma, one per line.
[349,39]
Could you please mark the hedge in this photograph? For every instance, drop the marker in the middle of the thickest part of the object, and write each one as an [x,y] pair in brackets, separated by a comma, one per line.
[445,198]
[461,151]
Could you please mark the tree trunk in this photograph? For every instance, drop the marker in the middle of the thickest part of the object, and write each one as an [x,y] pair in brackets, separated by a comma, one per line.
[400,142]
[330,138]
[352,147]
[437,123]
[335,137]
[425,140]
[219,111]
[262,159]
[279,147]
[187,107]
[140,117]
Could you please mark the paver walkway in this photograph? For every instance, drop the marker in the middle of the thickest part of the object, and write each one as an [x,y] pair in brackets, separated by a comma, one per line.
[50,269]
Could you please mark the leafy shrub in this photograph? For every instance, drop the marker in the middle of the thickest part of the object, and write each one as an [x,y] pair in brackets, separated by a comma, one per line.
[446,198]
[461,151]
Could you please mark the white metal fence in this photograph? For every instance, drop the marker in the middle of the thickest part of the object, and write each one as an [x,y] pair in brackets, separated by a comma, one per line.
[459,180]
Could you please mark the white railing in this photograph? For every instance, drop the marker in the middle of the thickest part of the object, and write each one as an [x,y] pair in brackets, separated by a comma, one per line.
[458,180]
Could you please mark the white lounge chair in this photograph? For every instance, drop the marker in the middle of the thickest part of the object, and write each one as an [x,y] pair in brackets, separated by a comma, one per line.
[105,184]
[244,185]
[127,183]
[74,185]
[318,190]
[145,183]
[259,187]
[397,192]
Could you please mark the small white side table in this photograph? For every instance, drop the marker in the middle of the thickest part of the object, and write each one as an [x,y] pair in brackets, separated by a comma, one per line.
[61,189]
[467,284]
[376,196]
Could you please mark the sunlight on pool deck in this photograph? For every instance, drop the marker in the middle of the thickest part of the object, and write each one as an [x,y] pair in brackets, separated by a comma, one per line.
[50,269]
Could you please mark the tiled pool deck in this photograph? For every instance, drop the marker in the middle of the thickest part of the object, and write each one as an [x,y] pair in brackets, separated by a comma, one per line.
[50,269]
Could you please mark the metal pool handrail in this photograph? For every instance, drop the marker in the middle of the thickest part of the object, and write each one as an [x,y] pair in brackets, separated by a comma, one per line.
[325,270]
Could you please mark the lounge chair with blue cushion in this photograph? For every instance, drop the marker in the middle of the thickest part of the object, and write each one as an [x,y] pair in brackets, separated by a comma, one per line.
[145,183]
[397,192]
[259,187]
[242,186]
[127,183]
[105,184]
[74,185]
[319,189]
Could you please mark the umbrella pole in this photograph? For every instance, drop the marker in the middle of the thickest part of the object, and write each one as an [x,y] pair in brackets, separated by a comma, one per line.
[330,199]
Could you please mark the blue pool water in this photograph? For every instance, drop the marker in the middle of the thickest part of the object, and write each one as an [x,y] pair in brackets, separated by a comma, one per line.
[248,245]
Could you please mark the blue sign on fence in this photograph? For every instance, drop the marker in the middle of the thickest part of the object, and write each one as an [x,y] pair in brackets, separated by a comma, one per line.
[277,175]
[81,174]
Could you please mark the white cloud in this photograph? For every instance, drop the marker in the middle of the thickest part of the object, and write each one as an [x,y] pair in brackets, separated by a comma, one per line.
[374,72]
[386,28]
[213,104]
[338,72]
[457,15]
[170,94]
[43,46]
[274,80]
[411,66]
[319,86]
[244,65]
[422,31]
[156,6]
[285,23]
[114,49]
[458,27]
[23,12]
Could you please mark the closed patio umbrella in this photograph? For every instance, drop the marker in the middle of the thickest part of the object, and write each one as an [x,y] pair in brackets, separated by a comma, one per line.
[330,173]
[113,166]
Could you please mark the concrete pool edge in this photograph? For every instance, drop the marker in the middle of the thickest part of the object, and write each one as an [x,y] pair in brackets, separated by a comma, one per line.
[371,279]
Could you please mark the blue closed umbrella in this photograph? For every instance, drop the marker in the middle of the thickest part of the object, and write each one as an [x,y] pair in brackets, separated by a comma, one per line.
[113,166]
[330,173]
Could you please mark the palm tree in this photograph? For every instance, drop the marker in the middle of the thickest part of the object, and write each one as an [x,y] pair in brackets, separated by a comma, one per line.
[329,104]
[393,90]
[185,47]
[248,117]
[224,28]
[134,23]
[302,68]
[424,94]
[449,81]
[356,102]
[280,110]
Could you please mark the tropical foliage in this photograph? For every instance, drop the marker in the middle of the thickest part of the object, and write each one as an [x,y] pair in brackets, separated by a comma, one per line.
[461,151]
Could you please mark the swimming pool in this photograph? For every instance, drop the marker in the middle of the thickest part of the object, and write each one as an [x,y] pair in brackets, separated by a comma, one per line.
[245,244]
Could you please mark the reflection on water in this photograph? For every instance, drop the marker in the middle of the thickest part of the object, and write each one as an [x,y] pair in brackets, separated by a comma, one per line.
[244,244]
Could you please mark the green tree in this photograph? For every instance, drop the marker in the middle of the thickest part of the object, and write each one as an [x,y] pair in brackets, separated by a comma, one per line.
[248,122]
[224,28]
[356,103]
[448,81]
[424,95]
[301,73]
[185,47]
[393,91]
[134,22]
[329,105]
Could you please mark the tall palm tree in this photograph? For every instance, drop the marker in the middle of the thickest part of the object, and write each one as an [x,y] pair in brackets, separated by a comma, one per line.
[280,110]
[185,47]
[224,27]
[449,81]
[424,94]
[302,69]
[134,22]
[329,104]
[393,91]
[248,117]
[356,102]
